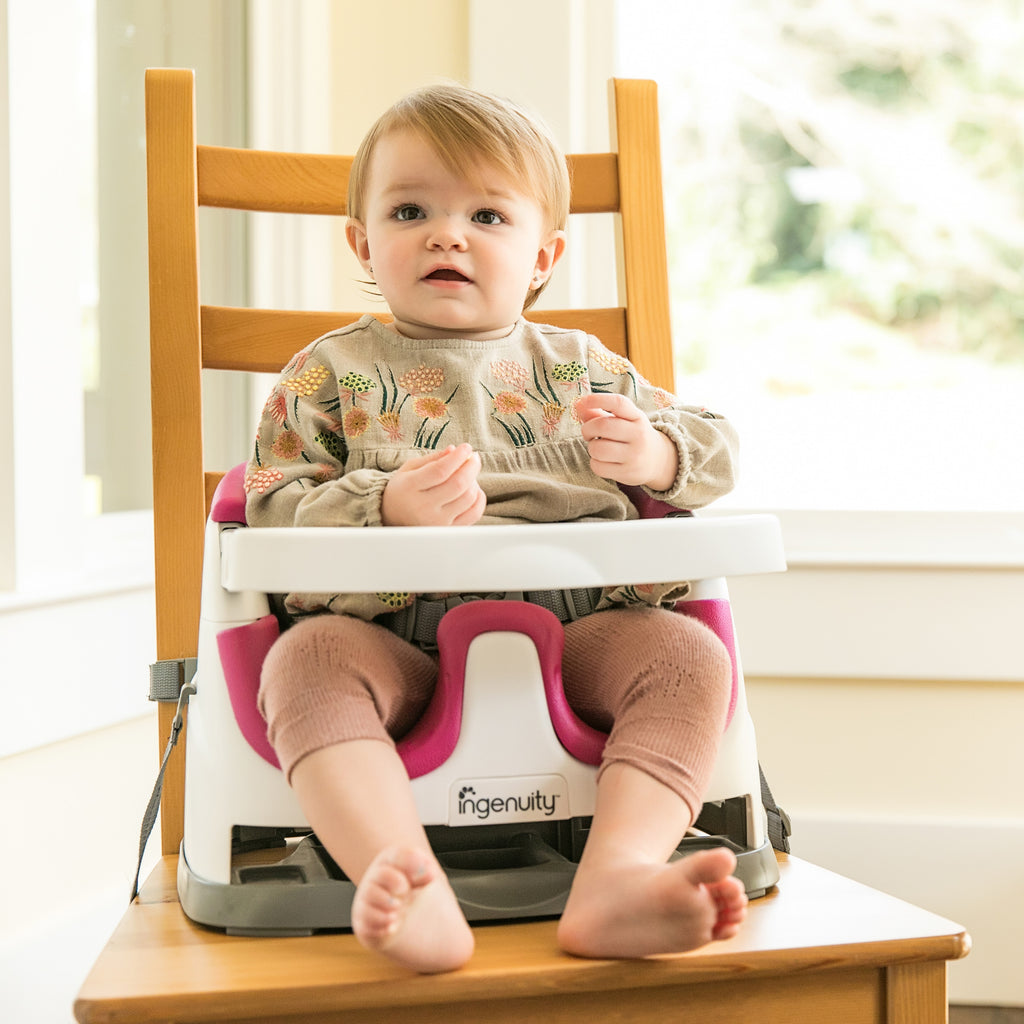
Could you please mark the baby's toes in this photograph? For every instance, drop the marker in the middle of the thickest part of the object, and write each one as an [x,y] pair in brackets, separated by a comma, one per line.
[385,885]
[413,867]
[378,900]
[730,901]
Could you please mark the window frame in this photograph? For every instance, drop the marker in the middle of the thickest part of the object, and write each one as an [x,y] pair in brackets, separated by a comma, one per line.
[77,620]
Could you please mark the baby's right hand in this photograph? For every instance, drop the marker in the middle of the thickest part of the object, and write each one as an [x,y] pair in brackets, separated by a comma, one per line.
[439,489]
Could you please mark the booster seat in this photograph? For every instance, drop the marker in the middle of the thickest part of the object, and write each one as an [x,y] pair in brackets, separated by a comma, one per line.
[507,819]
[502,770]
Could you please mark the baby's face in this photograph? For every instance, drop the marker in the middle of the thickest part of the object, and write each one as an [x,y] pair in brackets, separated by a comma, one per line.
[452,257]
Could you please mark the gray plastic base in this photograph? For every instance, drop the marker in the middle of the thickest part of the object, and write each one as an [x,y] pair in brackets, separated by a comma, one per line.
[496,874]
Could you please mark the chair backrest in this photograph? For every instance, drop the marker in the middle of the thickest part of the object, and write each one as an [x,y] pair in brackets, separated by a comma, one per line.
[186,336]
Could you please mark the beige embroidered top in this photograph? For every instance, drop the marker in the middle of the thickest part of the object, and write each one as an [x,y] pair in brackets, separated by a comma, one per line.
[354,405]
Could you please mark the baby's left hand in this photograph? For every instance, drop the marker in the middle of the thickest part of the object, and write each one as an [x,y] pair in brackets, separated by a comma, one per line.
[624,445]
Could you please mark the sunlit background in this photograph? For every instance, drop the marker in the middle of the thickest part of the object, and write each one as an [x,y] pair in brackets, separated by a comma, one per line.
[845,199]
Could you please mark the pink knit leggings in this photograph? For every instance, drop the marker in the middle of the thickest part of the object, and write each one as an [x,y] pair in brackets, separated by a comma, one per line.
[657,681]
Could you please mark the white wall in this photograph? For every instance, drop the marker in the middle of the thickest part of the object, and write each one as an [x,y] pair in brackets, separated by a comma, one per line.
[72,812]
[912,787]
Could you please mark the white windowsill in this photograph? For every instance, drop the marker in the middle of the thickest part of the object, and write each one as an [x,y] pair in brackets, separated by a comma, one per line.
[114,556]
[839,539]
[79,636]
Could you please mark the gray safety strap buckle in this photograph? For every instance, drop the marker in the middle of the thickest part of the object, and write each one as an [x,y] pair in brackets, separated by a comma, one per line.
[167,678]
[170,681]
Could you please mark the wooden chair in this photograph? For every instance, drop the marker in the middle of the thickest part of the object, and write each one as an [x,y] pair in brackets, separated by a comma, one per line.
[186,337]
[820,948]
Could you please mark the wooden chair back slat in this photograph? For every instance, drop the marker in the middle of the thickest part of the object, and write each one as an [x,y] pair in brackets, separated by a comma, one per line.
[263,340]
[251,179]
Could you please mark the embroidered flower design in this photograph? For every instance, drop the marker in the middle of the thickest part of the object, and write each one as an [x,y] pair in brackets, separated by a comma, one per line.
[509,403]
[355,385]
[392,424]
[287,445]
[551,415]
[297,362]
[355,422]
[261,480]
[332,443]
[662,399]
[429,407]
[309,382]
[511,373]
[613,364]
[609,360]
[569,373]
[432,410]
[277,406]
[422,380]
[542,389]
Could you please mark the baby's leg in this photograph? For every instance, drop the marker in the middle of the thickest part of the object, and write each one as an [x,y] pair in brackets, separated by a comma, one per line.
[626,901]
[664,696]
[358,800]
[332,688]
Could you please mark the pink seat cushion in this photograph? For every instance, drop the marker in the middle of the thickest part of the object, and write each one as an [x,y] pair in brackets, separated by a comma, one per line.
[716,614]
[242,650]
[228,505]
[433,738]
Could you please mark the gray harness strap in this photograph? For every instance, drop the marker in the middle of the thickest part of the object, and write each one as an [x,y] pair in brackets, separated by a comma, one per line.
[418,623]
[169,681]
[780,828]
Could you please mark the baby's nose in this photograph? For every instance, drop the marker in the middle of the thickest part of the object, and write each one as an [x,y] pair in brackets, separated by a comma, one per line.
[447,235]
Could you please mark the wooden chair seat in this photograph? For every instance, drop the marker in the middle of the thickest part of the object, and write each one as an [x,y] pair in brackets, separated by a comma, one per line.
[819,950]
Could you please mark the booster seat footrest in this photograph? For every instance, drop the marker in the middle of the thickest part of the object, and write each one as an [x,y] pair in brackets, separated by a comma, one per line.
[497,872]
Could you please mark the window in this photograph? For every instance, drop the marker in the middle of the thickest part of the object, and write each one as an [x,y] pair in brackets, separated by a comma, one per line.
[53,277]
[76,603]
[846,226]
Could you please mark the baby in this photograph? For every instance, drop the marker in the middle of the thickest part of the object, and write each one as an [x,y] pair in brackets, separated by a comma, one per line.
[461,412]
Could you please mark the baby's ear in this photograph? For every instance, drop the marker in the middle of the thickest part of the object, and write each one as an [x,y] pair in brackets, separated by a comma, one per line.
[355,234]
[548,255]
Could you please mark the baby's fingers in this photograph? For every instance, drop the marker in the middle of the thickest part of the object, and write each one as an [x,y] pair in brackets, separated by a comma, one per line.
[597,404]
[468,508]
[435,468]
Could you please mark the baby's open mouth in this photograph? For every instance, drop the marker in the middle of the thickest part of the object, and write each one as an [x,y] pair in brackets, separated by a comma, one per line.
[446,274]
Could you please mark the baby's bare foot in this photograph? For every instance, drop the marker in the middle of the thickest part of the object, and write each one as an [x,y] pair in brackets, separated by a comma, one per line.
[405,909]
[642,910]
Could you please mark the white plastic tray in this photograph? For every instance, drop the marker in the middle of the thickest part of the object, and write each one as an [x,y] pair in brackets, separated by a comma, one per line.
[499,558]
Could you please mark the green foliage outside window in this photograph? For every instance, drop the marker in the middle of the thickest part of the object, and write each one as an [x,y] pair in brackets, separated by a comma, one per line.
[861,161]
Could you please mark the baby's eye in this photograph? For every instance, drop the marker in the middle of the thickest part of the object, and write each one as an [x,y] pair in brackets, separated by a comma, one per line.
[488,217]
[408,212]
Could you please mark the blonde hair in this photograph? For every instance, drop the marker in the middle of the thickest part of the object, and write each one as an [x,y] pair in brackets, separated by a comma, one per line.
[470,130]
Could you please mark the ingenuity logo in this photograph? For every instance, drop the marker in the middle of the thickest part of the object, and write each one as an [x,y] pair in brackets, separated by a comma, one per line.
[485,807]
